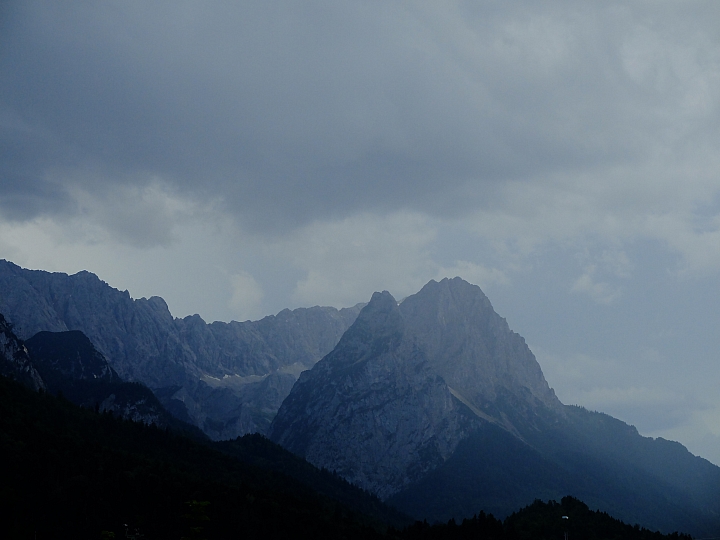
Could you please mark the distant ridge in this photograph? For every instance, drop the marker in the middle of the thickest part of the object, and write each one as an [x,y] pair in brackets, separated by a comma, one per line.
[227,378]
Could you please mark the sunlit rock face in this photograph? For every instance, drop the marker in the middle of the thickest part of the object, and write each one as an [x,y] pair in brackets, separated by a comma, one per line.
[473,349]
[408,382]
[227,378]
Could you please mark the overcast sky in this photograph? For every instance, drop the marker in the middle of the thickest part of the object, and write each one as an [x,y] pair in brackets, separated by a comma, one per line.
[238,158]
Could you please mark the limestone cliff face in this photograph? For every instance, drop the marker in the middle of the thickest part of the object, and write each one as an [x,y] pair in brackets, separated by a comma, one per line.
[484,363]
[213,375]
[407,383]
[14,359]
[372,409]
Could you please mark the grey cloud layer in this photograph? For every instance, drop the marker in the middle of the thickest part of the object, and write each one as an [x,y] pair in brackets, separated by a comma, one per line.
[285,113]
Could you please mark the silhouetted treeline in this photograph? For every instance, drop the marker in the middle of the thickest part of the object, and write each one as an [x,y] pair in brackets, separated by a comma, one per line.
[538,521]
[67,472]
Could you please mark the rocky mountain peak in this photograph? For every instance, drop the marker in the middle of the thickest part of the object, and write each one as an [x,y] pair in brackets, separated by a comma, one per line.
[372,409]
[158,304]
[471,346]
[447,298]
[378,327]
[406,383]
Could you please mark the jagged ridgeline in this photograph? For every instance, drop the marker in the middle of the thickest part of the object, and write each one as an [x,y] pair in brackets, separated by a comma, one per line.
[432,404]
[226,378]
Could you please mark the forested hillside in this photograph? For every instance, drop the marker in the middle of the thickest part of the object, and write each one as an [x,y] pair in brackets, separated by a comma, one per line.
[71,472]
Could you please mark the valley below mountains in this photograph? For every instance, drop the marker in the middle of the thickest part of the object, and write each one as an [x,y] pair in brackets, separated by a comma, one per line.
[433,403]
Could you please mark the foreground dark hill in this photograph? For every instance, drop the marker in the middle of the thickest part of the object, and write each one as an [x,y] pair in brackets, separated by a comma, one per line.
[539,521]
[71,366]
[552,520]
[226,378]
[70,472]
[438,407]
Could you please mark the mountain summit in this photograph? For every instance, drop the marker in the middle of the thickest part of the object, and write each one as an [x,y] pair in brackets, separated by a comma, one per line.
[407,382]
[486,365]
[435,405]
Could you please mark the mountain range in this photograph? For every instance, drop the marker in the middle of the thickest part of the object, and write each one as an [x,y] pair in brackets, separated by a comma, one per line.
[228,379]
[433,403]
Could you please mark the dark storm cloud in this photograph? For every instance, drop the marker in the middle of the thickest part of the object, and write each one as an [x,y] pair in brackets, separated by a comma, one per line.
[288,112]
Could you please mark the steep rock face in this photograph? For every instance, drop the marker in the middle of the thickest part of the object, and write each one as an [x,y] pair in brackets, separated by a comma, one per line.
[15,361]
[212,375]
[407,383]
[137,336]
[470,345]
[472,348]
[439,408]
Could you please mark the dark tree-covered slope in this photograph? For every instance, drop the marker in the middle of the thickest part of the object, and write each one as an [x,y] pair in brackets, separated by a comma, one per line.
[539,521]
[551,520]
[70,472]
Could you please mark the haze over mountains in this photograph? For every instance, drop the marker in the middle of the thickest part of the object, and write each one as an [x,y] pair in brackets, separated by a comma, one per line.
[433,403]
